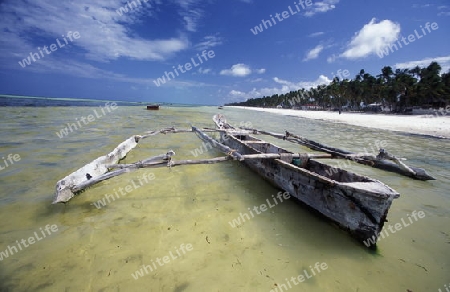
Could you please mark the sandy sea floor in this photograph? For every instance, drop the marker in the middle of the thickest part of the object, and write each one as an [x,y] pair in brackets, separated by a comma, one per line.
[100,249]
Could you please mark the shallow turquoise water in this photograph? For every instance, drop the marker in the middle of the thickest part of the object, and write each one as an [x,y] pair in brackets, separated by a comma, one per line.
[99,249]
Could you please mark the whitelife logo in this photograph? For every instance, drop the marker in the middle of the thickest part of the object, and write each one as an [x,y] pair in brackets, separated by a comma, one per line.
[259,209]
[398,226]
[71,127]
[53,48]
[122,10]
[11,250]
[206,146]
[280,16]
[318,267]
[411,38]
[161,261]
[11,158]
[188,66]
[146,178]
[347,163]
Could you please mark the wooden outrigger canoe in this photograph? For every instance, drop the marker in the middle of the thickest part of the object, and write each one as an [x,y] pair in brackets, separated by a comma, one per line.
[357,203]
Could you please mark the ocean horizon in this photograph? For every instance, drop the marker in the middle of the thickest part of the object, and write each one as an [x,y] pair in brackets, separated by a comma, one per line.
[36,101]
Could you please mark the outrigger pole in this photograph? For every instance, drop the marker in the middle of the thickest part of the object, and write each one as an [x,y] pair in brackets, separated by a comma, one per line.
[383,160]
[107,166]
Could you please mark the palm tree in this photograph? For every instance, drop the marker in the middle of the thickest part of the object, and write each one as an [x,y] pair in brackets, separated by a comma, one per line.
[423,85]
[430,85]
[416,71]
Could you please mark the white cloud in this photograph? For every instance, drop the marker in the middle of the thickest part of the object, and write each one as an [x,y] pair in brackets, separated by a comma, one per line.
[286,86]
[421,5]
[331,58]
[238,70]
[84,70]
[445,10]
[260,71]
[80,69]
[237,93]
[209,42]
[204,71]
[313,53]
[191,19]
[316,34]
[322,79]
[372,38]
[443,61]
[190,12]
[105,34]
[321,7]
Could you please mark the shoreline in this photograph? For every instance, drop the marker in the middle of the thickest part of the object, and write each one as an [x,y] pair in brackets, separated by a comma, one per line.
[423,125]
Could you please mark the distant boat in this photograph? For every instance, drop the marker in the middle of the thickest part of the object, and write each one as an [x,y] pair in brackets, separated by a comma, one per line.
[153,107]
[220,107]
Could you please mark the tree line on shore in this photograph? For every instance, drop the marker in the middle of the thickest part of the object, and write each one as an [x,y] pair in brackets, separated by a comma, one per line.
[399,90]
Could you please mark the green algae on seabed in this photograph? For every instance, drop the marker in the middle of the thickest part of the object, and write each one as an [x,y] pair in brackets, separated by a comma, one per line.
[99,249]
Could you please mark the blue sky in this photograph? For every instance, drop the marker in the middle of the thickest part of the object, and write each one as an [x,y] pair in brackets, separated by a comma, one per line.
[101,51]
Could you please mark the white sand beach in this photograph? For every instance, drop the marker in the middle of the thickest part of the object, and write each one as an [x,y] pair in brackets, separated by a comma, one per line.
[433,125]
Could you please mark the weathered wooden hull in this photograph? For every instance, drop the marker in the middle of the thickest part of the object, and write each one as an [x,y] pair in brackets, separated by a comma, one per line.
[356,203]
[153,107]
